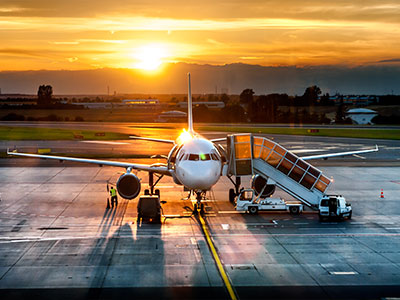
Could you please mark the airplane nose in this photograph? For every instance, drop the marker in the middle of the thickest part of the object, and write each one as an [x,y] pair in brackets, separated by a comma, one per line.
[200,179]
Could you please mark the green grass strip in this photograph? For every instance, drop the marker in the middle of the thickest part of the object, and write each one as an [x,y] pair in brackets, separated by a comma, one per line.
[31,133]
[390,134]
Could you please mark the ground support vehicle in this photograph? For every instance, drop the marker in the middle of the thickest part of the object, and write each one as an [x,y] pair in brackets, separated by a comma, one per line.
[334,206]
[149,209]
[249,201]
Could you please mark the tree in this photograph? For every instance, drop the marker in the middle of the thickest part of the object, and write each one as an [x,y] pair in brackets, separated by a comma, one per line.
[264,109]
[224,98]
[45,94]
[233,114]
[340,113]
[311,94]
[246,97]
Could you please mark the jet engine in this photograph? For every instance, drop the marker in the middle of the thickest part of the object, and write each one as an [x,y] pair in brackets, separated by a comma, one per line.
[257,184]
[128,186]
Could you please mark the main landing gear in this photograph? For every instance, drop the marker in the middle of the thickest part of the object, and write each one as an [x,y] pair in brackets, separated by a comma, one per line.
[234,192]
[152,184]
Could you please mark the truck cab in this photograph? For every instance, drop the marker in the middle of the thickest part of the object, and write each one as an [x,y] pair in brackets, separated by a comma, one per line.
[334,206]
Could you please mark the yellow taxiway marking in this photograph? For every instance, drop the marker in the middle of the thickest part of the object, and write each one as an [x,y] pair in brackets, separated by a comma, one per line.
[218,262]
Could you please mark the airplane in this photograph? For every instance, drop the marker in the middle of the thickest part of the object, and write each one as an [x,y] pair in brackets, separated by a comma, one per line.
[193,162]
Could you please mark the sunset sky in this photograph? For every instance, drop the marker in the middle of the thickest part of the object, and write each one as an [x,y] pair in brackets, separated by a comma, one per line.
[83,34]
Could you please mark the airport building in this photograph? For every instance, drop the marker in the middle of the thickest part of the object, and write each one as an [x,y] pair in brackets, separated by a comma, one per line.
[208,104]
[141,102]
[361,116]
[354,99]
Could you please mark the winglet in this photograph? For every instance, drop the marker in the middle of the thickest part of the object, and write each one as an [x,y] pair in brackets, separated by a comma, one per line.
[10,152]
[190,113]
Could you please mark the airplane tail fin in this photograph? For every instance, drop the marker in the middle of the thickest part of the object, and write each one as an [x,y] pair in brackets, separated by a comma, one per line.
[190,112]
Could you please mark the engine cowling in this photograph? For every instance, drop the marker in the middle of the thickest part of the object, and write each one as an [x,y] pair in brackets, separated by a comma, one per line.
[128,186]
[257,184]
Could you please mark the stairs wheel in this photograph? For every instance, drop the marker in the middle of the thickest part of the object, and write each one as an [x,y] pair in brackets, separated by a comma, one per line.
[232,195]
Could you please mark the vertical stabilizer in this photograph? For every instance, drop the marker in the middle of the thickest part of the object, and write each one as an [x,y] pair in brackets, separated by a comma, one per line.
[190,113]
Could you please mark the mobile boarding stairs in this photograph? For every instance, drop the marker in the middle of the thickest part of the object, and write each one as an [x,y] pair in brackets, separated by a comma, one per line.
[252,155]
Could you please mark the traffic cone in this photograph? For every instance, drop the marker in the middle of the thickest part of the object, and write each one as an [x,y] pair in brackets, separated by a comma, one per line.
[382,194]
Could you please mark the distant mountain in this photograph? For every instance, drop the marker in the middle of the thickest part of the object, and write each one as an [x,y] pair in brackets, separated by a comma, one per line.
[233,78]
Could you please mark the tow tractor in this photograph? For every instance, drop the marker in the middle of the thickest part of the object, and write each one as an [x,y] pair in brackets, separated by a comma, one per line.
[249,201]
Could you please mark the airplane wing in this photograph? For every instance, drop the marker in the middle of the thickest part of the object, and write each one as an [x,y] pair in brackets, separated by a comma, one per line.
[156,168]
[326,156]
[151,139]
[219,140]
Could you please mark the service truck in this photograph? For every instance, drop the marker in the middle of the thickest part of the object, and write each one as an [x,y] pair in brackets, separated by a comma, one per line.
[249,201]
[334,206]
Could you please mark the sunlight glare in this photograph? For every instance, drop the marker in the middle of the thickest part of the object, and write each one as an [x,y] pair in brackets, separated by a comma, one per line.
[184,137]
[150,57]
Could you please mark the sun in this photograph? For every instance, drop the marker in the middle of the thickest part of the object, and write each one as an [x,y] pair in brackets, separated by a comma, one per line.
[150,57]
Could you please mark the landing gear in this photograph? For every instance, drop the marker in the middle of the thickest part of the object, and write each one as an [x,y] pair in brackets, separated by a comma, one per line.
[234,192]
[198,206]
[152,184]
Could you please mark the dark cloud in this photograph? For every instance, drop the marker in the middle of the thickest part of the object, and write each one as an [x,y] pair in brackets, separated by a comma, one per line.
[393,60]
[234,77]
[357,10]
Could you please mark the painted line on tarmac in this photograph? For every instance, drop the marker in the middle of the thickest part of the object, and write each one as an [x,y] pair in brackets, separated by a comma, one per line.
[220,266]
[343,273]
[105,142]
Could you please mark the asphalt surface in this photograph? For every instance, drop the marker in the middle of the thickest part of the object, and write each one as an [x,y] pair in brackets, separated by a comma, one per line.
[58,240]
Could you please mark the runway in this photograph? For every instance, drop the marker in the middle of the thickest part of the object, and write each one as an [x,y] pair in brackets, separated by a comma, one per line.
[57,239]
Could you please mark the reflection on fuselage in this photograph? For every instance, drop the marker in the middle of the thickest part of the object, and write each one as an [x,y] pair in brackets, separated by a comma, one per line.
[198,164]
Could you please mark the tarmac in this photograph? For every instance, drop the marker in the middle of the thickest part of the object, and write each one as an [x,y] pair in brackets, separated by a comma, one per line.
[59,241]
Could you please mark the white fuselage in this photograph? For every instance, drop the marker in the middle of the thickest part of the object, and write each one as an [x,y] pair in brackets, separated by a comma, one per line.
[198,164]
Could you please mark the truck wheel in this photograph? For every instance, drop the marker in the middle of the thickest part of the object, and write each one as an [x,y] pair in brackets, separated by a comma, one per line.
[253,210]
[294,210]
[157,220]
[321,218]
[232,195]
[146,192]
[157,192]
[350,215]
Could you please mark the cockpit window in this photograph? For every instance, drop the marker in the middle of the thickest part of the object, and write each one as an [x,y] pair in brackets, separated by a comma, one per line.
[181,155]
[214,155]
[201,156]
[205,156]
[193,157]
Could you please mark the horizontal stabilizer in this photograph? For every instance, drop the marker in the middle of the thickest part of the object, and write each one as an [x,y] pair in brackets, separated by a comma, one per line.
[326,156]
[152,140]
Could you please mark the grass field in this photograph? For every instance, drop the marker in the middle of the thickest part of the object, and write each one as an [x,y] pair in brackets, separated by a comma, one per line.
[27,133]
[391,134]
